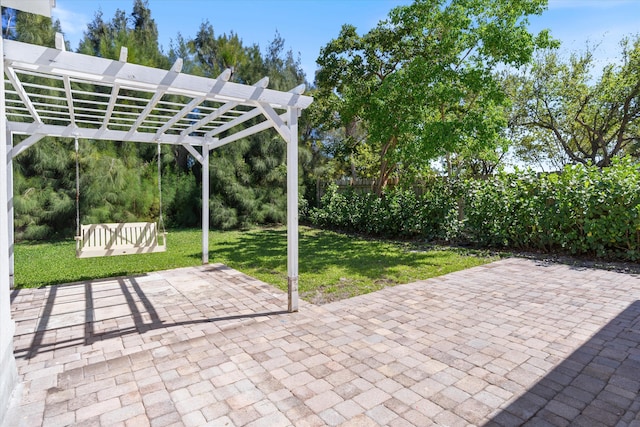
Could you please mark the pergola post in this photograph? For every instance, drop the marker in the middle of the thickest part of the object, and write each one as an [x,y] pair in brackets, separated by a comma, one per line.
[205,203]
[10,211]
[292,210]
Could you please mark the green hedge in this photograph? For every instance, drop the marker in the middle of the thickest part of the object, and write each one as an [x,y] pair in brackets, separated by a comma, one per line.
[582,211]
[399,213]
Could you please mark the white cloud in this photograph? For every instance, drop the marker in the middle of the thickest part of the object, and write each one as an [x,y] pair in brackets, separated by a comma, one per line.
[73,24]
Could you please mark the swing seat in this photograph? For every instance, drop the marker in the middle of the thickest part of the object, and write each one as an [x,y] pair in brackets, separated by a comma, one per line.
[130,238]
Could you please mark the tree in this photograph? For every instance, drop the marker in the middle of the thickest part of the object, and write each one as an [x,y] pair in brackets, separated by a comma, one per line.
[422,82]
[218,54]
[568,116]
[29,28]
[105,39]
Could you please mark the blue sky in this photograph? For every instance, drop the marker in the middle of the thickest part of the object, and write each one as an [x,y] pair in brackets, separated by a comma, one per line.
[307,25]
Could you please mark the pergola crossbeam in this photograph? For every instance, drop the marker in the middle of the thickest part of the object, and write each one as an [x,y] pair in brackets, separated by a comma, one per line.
[246,132]
[67,89]
[99,134]
[59,42]
[28,142]
[112,102]
[166,83]
[180,115]
[233,123]
[222,79]
[194,153]
[277,122]
[210,117]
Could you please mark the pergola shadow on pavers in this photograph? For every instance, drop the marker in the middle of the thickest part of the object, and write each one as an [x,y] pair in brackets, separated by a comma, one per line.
[515,342]
[84,313]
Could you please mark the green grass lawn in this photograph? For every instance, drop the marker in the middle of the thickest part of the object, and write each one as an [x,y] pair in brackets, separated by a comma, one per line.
[332,266]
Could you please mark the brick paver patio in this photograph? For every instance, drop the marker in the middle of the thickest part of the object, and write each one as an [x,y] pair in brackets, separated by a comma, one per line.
[510,343]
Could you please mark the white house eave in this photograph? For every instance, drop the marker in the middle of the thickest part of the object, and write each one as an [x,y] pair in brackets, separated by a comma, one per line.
[39,7]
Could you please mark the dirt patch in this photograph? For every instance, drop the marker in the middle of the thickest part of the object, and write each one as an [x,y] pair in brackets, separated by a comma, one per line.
[583,262]
[318,297]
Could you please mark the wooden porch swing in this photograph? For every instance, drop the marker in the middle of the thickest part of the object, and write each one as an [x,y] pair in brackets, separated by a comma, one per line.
[110,239]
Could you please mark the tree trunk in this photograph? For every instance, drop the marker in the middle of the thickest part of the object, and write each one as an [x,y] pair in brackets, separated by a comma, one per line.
[449,165]
[385,168]
[318,192]
[349,133]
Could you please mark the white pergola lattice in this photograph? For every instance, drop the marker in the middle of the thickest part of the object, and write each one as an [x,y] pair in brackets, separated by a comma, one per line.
[51,92]
[57,93]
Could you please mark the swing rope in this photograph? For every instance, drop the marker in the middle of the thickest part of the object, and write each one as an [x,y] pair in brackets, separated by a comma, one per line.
[94,240]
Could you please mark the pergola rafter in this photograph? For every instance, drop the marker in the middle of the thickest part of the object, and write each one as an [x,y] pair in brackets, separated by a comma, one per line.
[22,93]
[51,92]
[166,84]
[261,84]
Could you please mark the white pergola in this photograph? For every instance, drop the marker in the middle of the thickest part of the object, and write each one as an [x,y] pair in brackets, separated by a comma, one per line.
[51,92]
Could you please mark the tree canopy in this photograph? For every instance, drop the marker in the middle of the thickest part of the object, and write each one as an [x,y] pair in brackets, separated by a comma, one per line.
[422,81]
[568,115]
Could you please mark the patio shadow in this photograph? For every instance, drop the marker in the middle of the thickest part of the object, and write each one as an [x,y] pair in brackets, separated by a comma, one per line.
[597,385]
[80,311]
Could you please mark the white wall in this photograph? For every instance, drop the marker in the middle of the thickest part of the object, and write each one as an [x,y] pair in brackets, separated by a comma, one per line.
[8,373]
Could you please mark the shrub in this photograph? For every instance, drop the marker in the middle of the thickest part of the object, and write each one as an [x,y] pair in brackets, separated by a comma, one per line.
[397,213]
[582,211]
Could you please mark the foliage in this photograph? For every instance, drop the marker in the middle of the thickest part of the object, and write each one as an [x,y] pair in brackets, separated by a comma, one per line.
[585,210]
[44,190]
[397,213]
[138,34]
[569,116]
[332,266]
[422,82]
[29,28]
